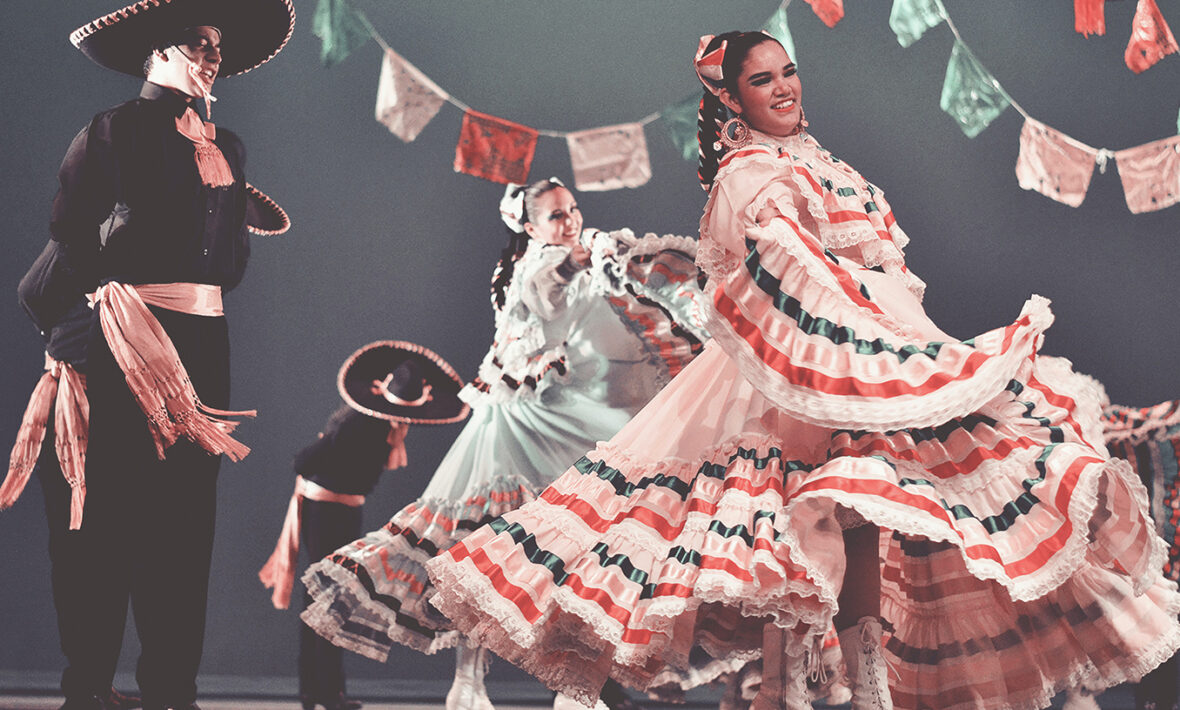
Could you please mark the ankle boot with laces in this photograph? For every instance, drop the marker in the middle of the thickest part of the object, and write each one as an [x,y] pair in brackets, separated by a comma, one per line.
[784,673]
[864,660]
[468,691]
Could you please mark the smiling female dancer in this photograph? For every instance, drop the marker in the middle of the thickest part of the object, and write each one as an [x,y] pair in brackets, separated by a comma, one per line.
[589,325]
[832,457]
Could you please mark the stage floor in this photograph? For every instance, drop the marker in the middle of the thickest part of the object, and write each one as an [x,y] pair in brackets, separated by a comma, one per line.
[14,702]
[1119,698]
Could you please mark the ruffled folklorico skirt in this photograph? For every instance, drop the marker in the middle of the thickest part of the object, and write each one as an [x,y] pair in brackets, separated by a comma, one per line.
[375,592]
[1018,558]
[549,389]
[712,512]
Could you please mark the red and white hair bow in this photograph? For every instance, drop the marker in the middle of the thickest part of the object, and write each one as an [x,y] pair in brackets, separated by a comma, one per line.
[708,65]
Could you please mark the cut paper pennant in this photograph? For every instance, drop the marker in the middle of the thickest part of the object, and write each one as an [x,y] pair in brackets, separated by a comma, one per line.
[340,29]
[609,157]
[494,149]
[909,19]
[829,11]
[1151,38]
[971,95]
[1089,17]
[1054,164]
[407,99]
[778,28]
[680,119]
[1150,174]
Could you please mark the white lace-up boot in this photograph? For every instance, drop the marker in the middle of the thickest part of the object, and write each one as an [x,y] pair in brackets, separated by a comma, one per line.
[1080,699]
[784,673]
[468,691]
[565,702]
[731,697]
[864,660]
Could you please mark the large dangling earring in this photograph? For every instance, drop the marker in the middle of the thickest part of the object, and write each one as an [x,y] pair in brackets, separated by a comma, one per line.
[735,133]
[803,124]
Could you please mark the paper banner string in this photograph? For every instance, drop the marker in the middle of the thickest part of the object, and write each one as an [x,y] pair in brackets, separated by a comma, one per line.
[1151,38]
[407,99]
[1054,164]
[340,29]
[680,120]
[778,28]
[970,94]
[1089,17]
[1050,162]
[909,19]
[610,157]
[1150,174]
[829,11]
[494,149]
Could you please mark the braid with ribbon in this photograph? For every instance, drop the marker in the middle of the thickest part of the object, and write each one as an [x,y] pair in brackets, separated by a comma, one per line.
[718,63]
[514,213]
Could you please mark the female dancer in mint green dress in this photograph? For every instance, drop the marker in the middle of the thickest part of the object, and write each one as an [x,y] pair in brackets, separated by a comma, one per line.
[589,326]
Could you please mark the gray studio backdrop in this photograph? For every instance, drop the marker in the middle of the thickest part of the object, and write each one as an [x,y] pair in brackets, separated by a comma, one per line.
[389,242]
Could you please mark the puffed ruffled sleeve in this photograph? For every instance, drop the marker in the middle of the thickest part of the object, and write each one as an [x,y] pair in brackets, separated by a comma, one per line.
[651,284]
[528,353]
[826,339]
[546,275]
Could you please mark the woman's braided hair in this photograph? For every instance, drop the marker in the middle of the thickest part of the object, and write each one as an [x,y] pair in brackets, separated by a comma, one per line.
[711,113]
[517,241]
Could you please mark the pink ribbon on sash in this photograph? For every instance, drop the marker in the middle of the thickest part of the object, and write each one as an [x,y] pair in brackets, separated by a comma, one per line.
[215,172]
[397,445]
[62,388]
[279,570]
[153,369]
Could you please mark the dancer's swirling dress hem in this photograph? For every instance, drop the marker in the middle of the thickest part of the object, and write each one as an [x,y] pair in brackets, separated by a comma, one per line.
[1018,558]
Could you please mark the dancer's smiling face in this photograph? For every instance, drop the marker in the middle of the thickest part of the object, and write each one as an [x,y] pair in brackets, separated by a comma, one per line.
[191,64]
[767,92]
[554,218]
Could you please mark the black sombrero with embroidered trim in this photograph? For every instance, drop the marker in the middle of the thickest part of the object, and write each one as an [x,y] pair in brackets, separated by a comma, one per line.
[252,31]
[402,382]
[264,217]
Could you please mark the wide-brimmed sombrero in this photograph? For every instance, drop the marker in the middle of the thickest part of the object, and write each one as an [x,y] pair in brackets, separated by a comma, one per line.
[264,217]
[252,31]
[402,382]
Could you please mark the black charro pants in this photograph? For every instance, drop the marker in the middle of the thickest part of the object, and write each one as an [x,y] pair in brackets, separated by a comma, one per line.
[324,527]
[157,517]
[1158,689]
[91,608]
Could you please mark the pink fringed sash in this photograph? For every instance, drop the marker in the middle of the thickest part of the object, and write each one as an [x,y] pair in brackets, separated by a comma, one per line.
[153,369]
[62,388]
[215,172]
[279,570]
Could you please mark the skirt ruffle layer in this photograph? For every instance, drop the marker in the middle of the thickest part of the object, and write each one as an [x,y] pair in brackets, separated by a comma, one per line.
[375,592]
